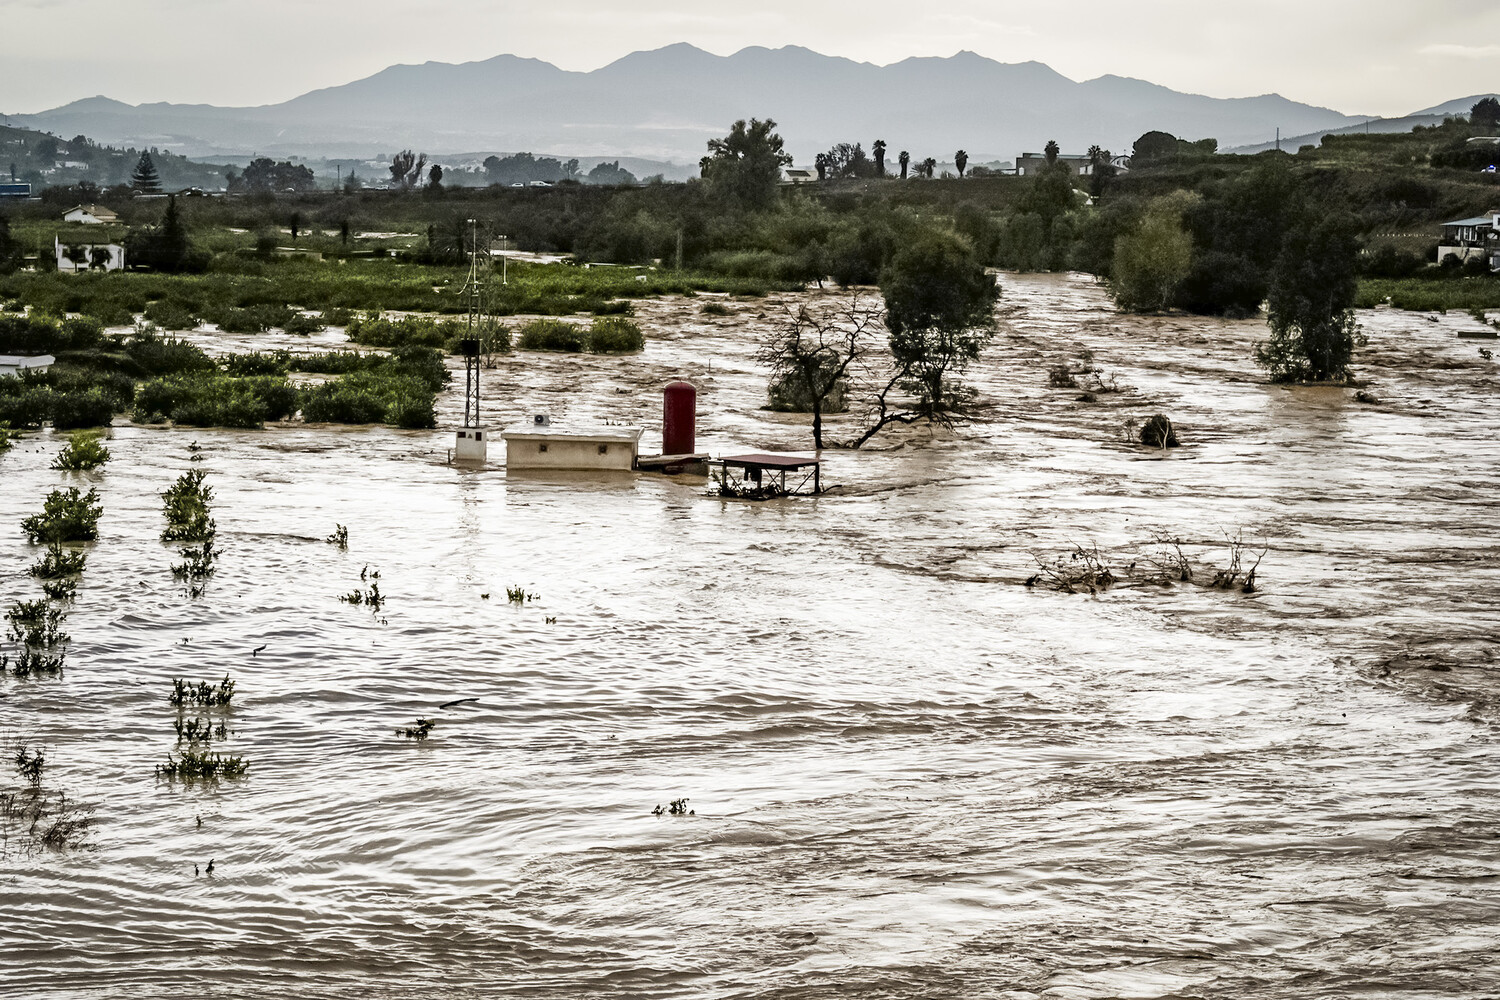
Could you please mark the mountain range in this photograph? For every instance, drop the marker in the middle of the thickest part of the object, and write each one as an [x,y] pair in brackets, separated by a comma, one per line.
[666,103]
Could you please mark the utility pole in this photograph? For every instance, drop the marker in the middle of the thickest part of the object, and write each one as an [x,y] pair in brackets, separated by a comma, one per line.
[504,262]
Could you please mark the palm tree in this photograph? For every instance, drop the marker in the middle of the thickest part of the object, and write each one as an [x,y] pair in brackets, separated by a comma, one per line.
[821,162]
[879,150]
[903,159]
[928,166]
[960,160]
[1051,151]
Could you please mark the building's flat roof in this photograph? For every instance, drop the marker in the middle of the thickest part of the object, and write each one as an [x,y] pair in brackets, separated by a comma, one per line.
[769,460]
[1479,220]
[26,360]
[550,433]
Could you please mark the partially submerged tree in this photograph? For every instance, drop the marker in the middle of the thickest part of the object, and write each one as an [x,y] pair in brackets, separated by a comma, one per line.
[1153,260]
[813,355]
[745,166]
[940,309]
[1310,308]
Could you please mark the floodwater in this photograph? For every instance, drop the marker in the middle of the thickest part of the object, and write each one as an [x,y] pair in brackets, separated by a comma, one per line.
[909,774]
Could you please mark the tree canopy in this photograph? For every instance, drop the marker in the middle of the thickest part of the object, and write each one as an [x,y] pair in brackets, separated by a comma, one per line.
[264,175]
[144,178]
[745,166]
[1310,308]
[940,309]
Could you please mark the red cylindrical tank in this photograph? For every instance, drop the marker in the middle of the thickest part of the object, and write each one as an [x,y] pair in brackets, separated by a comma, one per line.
[679,410]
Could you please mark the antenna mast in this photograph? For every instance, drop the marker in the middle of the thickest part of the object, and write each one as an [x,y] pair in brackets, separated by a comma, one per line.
[476,326]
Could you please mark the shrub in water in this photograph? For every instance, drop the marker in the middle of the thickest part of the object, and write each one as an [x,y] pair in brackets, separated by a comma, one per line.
[185,505]
[552,335]
[158,355]
[84,450]
[615,335]
[67,516]
[24,403]
[92,408]
[170,315]
[302,325]
[58,562]
[233,406]
[257,363]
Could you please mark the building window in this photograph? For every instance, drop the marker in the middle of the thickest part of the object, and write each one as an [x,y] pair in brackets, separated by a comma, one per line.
[479,435]
[541,447]
[604,449]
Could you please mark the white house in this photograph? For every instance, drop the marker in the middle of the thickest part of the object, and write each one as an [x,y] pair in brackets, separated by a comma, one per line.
[75,257]
[90,215]
[15,364]
[1476,237]
[799,175]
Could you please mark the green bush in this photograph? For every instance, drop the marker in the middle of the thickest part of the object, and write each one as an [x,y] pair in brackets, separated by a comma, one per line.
[371,397]
[409,331]
[552,335]
[232,404]
[301,325]
[257,363]
[24,404]
[615,335]
[185,505]
[215,400]
[157,355]
[337,316]
[422,363]
[67,516]
[90,408]
[171,315]
[84,450]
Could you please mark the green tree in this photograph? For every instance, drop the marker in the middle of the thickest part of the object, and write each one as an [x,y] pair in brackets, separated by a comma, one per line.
[904,159]
[9,251]
[961,160]
[929,166]
[940,310]
[1153,260]
[812,354]
[1310,308]
[435,178]
[144,178]
[879,150]
[1051,151]
[1485,113]
[744,167]
[165,247]
[1153,147]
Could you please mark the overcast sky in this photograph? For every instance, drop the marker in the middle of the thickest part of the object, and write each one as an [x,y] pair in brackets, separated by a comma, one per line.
[1386,57]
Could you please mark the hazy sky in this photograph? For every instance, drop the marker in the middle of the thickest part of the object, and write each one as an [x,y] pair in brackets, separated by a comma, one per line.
[1358,56]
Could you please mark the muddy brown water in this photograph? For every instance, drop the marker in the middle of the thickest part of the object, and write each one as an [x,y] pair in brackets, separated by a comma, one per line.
[910,775]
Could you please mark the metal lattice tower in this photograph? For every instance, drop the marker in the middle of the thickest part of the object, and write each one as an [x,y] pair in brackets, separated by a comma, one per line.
[477,325]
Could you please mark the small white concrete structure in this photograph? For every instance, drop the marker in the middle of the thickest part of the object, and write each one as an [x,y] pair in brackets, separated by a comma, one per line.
[598,449]
[471,445]
[15,364]
[92,256]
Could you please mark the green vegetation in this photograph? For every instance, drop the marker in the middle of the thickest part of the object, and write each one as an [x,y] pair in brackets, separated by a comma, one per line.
[58,562]
[418,732]
[67,516]
[552,335]
[191,764]
[185,505]
[84,450]
[186,693]
[1311,308]
[615,335]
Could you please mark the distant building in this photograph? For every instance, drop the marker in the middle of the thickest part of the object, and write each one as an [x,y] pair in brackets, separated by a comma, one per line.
[15,189]
[1028,164]
[16,364]
[90,215]
[1476,237]
[799,175]
[73,258]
